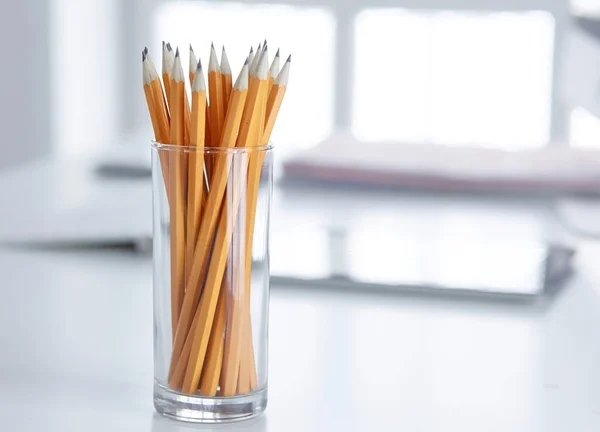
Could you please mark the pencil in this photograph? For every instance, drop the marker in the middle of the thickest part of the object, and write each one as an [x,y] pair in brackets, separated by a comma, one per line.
[161,128]
[227,82]
[209,220]
[157,89]
[273,70]
[214,355]
[193,65]
[212,289]
[212,203]
[177,198]
[247,371]
[251,59]
[275,99]
[246,138]
[167,65]
[265,95]
[158,113]
[195,185]
[158,133]
[255,163]
[215,96]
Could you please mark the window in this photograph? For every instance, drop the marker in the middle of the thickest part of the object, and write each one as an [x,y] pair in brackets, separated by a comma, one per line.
[84,47]
[584,129]
[455,78]
[307,32]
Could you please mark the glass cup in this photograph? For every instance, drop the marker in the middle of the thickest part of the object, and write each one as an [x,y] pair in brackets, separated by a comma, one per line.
[211,210]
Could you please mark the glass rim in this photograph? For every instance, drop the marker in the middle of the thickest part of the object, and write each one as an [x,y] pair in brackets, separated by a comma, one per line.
[226,150]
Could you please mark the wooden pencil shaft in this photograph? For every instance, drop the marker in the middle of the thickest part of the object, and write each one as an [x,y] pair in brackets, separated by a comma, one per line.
[198,268]
[177,238]
[234,338]
[161,106]
[216,107]
[272,107]
[208,223]
[186,118]
[196,183]
[254,171]
[212,223]
[274,101]
[178,372]
[208,162]
[214,277]
[227,79]
[158,113]
[167,83]
[227,88]
[251,114]
[162,156]
[236,300]
[152,112]
[177,209]
[211,373]
[272,104]
[248,379]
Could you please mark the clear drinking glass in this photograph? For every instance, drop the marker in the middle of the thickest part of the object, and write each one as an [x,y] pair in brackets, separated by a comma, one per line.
[211,281]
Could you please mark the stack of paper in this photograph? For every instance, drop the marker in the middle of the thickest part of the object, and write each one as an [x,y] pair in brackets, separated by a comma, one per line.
[555,168]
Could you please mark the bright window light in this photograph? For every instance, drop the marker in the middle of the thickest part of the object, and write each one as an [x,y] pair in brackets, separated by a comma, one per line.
[454,78]
[584,129]
[83,39]
[308,33]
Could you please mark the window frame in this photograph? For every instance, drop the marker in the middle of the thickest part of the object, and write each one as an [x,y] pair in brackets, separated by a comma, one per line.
[135,22]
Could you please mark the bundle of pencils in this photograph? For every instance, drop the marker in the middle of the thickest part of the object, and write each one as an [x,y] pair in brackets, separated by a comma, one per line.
[211,201]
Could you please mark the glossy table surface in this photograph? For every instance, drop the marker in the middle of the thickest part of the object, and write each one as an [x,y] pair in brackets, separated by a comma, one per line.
[76,341]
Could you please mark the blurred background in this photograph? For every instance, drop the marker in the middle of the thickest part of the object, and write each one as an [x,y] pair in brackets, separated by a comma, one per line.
[514,75]
[411,129]
[436,208]
[486,103]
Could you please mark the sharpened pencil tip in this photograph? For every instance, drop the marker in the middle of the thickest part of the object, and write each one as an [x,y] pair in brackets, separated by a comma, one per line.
[199,67]
[177,52]
[212,45]
[265,42]
[143,56]
[191,49]
[146,50]
[169,46]
[289,59]
[246,62]
[277,53]
[251,50]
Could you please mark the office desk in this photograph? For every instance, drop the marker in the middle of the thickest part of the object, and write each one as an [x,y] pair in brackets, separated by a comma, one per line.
[76,338]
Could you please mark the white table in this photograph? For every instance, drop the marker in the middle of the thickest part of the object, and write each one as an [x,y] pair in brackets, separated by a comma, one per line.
[76,341]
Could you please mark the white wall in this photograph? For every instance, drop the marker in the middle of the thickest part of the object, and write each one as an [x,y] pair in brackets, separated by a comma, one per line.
[345,12]
[86,69]
[24,89]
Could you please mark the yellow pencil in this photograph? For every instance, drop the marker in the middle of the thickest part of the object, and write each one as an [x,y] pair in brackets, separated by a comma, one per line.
[177,208]
[215,97]
[247,138]
[247,375]
[226,75]
[195,181]
[208,225]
